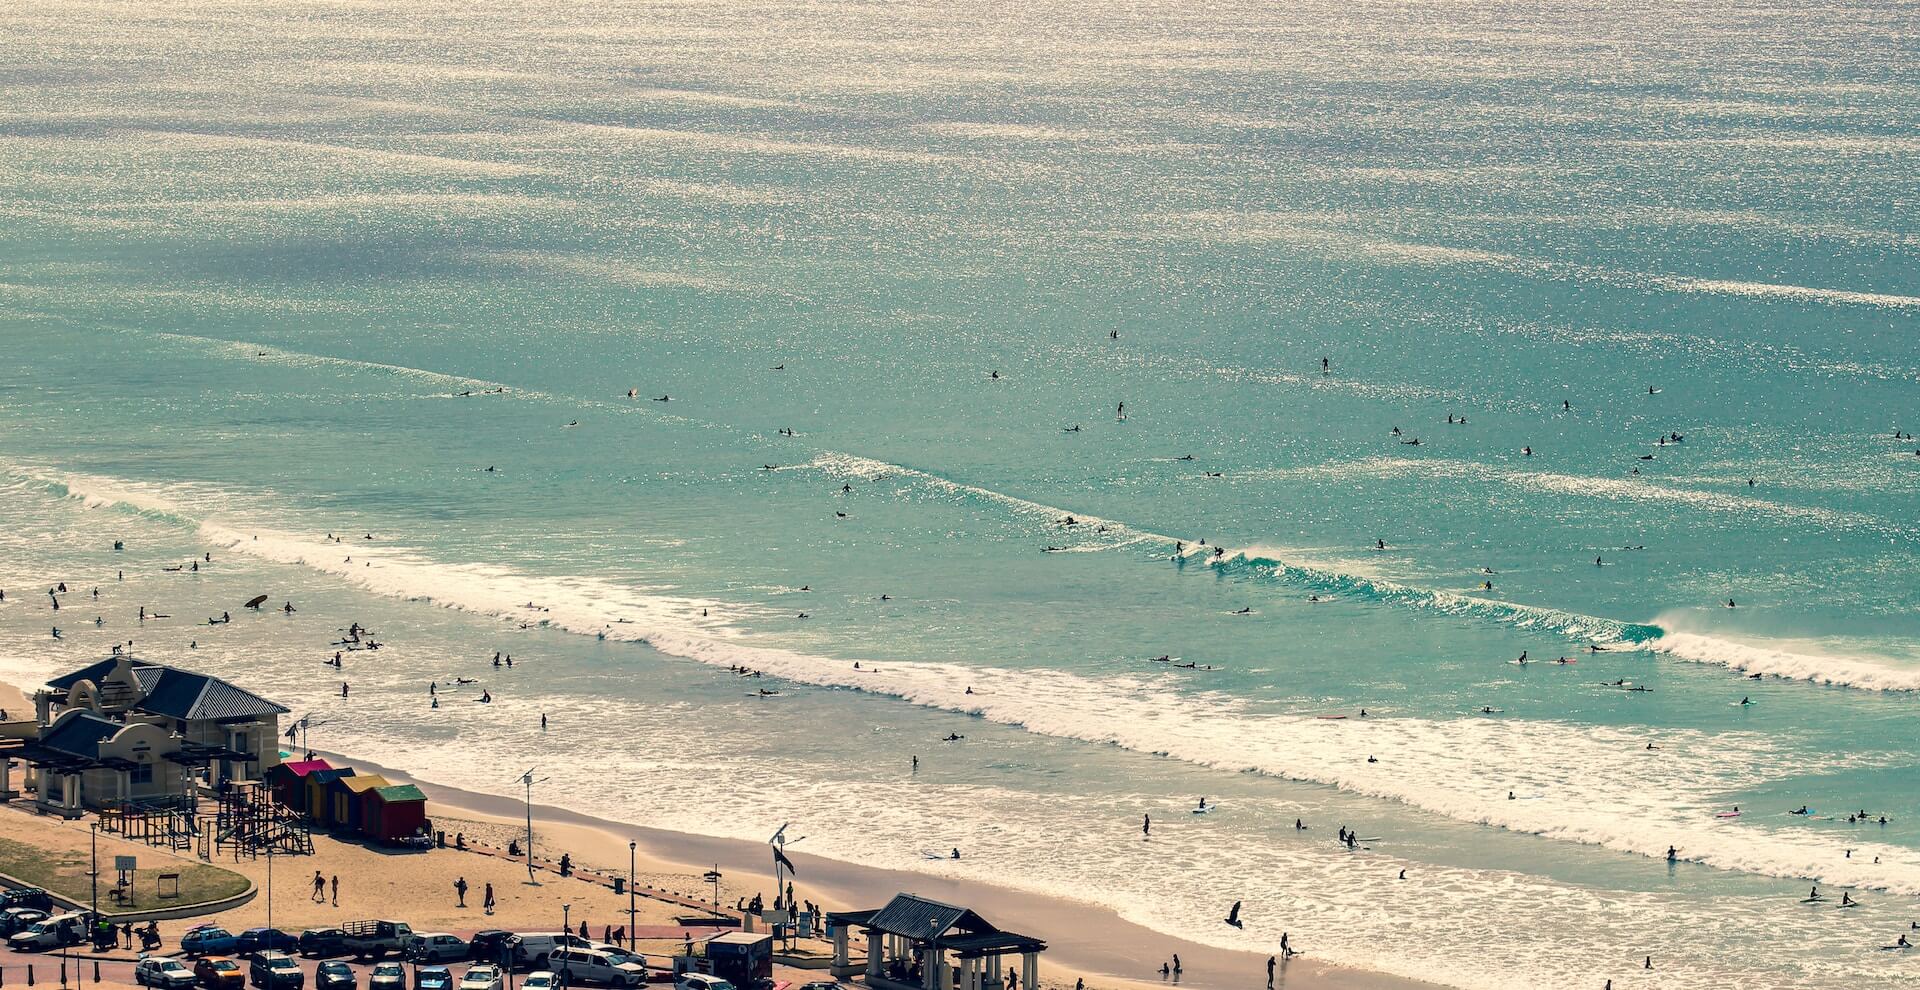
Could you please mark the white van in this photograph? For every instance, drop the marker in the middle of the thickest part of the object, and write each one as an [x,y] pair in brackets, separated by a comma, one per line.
[577,965]
[532,950]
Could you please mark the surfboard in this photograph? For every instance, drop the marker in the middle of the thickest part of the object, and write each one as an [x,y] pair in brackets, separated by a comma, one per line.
[1330,718]
[1208,810]
[1812,900]
[1727,814]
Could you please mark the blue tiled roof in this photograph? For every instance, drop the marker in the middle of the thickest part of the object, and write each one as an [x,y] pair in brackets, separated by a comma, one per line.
[176,693]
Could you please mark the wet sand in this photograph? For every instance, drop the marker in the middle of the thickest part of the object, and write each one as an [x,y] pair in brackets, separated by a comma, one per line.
[1084,940]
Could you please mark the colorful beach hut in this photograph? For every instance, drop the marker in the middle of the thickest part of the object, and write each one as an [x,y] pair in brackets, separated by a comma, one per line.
[290,781]
[319,784]
[393,814]
[344,795]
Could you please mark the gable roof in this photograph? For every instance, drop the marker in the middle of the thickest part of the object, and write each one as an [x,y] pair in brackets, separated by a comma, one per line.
[176,693]
[300,768]
[329,775]
[397,793]
[917,917]
[80,734]
[362,784]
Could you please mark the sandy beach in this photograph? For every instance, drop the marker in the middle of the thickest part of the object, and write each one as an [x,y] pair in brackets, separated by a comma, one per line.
[1085,941]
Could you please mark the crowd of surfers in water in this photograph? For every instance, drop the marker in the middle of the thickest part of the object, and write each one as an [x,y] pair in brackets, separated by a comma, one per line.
[356,638]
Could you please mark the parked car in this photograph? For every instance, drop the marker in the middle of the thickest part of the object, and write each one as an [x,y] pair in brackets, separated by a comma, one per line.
[160,971]
[434,947]
[374,939]
[50,933]
[265,940]
[272,970]
[27,897]
[485,976]
[219,973]
[701,981]
[387,976]
[17,919]
[433,978]
[491,946]
[334,975]
[539,979]
[823,985]
[209,940]
[577,965]
[318,943]
[619,953]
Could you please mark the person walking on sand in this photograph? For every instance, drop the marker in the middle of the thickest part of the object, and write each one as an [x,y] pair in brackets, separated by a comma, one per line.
[319,887]
[1270,964]
[336,890]
[487,899]
[460,888]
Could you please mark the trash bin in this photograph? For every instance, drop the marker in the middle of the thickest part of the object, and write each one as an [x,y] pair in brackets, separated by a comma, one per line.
[619,885]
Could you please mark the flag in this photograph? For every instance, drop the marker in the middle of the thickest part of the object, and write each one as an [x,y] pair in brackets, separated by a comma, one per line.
[781,858]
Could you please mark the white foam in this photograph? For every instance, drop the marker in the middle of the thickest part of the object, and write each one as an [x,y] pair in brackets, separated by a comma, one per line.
[1599,788]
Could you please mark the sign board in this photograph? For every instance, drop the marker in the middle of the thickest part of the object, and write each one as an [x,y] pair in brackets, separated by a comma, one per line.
[123,863]
[774,917]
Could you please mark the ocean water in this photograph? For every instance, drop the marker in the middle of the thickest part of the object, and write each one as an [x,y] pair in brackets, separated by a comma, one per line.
[274,274]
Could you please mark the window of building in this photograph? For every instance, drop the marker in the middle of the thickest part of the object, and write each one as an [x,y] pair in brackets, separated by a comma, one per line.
[142,773]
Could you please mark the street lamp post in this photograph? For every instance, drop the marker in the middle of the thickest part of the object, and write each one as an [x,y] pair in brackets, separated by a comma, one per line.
[566,930]
[527,780]
[93,923]
[631,910]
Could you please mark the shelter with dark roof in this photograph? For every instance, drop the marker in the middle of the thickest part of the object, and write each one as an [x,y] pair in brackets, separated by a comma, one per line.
[914,943]
[226,732]
[85,760]
[319,786]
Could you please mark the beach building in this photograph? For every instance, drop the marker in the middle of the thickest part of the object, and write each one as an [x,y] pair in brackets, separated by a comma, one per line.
[914,943]
[344,807]
[84,761]
[125,733]
[320,791]
[289,781]
[394,814]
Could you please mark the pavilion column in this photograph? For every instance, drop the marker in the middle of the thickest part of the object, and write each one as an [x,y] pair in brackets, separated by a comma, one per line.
[840,950]
[970,973]
[1030,970]
[876,955]
[993,970]
[935,976]
[6,779]
[73,792]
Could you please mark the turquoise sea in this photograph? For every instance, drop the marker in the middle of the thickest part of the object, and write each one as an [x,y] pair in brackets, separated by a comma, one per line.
[1640,277]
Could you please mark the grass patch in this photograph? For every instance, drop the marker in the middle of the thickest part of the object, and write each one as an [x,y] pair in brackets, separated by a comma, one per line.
[64,872]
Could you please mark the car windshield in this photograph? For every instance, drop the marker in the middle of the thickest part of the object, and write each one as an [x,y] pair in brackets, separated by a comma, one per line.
[389,969]
[281,963]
